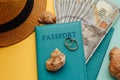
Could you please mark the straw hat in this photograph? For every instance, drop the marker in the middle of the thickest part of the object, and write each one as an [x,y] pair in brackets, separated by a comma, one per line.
[18,19]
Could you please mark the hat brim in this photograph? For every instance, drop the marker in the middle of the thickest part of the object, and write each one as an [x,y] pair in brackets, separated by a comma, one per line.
[26,28]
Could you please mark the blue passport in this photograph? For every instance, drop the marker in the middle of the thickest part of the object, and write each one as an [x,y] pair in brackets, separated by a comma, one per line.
[94,64]
[49,37]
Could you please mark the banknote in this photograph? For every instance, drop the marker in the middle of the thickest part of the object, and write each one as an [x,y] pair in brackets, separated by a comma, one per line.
[67,5]
[102,16]
[57,10]
[100,19]
[71,4]
[81,10]
[60,10]
[89,4]
[88,11]
[96,16]
[64,11]
[76,8]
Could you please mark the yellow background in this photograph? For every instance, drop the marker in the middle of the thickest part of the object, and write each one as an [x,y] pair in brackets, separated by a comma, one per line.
[18,62]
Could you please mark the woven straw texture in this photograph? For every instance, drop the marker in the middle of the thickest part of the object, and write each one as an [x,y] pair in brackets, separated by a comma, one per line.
[9,9]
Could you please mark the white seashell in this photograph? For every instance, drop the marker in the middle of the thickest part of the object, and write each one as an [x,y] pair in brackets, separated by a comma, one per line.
[56,61]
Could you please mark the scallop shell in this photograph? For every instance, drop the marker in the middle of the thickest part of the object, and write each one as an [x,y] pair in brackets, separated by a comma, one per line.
[56,61]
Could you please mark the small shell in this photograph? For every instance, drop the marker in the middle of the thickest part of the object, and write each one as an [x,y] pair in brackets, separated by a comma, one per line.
[47,18]
[56,61]
[114,66]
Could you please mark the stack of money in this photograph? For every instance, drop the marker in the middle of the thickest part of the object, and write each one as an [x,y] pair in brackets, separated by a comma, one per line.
[72,10]
[96,16]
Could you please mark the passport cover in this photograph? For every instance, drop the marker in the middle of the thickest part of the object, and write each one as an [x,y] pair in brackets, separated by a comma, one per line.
[94,64]
[49,37]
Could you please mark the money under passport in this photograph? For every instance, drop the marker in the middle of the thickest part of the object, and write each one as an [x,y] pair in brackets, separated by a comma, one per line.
[96,16]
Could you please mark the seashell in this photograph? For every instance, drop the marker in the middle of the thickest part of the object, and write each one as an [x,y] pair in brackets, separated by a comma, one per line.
[56,61]
[47,17]
[114,66]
